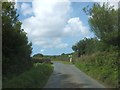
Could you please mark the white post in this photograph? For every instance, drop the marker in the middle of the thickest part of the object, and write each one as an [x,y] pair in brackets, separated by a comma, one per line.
[70,59]
[70,56]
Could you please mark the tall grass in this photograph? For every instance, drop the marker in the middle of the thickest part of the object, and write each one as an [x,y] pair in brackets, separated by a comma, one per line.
[102,66]
[34,78]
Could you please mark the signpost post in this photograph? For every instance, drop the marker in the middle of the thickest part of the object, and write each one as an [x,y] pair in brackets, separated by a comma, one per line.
[70,56]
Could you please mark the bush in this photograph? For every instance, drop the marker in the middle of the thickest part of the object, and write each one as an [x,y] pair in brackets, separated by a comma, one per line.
[36,77]
[101,66]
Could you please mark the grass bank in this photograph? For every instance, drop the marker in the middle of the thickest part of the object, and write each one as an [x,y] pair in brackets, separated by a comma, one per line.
[36,77]
[101,66]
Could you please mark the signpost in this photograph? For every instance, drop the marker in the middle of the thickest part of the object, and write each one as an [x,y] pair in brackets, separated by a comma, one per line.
[70,56]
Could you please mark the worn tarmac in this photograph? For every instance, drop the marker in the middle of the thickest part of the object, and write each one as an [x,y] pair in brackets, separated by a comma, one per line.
[68,76]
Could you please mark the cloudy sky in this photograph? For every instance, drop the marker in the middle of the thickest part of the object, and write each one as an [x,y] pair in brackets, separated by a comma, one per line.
[54,26]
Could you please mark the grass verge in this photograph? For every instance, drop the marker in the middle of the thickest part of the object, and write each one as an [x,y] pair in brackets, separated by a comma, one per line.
[101,66]
[36,77]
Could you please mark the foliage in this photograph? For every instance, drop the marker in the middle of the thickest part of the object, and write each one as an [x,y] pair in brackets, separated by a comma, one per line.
[16,49]
[101,66]
[74,48]
[99,55]
[61,58]
[37,56]
[104,22]
[36,77]
[87,46]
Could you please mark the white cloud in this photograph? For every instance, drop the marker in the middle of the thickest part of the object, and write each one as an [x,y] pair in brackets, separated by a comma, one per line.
[26,9]
[51,43]
[51,23]
[42,50]
[76,27]
[45,28]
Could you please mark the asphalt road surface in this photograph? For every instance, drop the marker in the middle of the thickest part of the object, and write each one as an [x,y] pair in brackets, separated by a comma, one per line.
[68,76]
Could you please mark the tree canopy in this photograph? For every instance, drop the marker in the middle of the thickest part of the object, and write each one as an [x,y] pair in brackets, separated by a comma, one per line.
[104,22]
[39,55]
[16,49]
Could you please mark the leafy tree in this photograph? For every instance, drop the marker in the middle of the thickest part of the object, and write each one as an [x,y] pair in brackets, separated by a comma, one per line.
[80,47]
[16,49]
[88,46]
[39,55]
[62,54]
[74,48]
[104,22]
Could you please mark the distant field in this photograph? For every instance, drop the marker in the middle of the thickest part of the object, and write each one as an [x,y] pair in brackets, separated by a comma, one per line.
[34,78]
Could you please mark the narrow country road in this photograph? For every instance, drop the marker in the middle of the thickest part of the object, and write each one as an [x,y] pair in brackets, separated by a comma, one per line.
[68,76]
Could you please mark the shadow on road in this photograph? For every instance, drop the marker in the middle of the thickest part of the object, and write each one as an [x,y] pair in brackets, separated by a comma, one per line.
[68,76]
[59,80]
